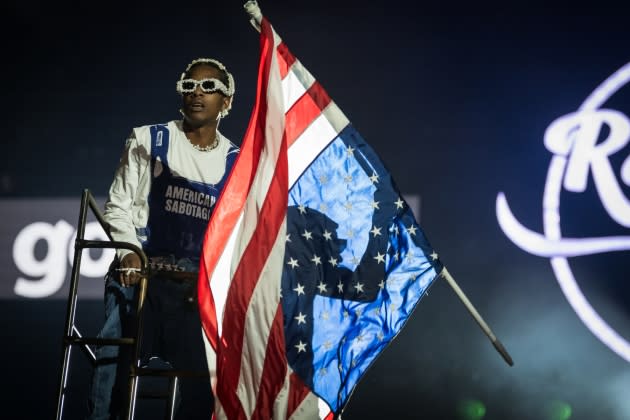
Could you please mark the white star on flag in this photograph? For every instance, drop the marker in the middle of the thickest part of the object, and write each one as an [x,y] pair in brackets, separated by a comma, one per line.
[301,318]
[299,289]
[300,346]
[293,263]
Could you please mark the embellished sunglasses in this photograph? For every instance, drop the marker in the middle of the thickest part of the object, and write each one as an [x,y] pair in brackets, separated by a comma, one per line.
[207,86]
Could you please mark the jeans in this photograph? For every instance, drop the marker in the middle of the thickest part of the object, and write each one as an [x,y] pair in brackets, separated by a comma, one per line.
[172,331]
[109,387]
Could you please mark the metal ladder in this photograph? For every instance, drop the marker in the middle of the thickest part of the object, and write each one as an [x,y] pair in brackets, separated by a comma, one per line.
[73,337]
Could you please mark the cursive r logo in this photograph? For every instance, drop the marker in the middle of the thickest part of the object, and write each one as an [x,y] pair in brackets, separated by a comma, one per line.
[573,140]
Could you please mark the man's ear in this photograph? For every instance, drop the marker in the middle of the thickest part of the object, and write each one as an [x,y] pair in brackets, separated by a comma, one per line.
[227,102]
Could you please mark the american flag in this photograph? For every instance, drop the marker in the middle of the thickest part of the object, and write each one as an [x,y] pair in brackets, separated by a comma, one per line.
[300,292]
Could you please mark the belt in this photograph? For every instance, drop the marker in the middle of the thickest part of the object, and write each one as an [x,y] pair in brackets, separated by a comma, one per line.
[164,268]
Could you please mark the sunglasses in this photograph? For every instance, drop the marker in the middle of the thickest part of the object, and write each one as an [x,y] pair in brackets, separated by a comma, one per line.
[207,86]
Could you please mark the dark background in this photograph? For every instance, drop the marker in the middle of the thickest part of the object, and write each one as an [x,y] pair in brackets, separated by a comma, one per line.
[455,98]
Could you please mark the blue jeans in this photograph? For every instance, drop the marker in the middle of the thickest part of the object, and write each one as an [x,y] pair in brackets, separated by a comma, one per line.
[172,331]
[110,383]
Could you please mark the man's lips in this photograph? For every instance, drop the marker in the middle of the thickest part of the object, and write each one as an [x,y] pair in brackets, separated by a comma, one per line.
[196,106]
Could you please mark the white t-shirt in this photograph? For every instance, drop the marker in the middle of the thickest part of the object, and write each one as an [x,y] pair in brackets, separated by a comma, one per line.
[127,207]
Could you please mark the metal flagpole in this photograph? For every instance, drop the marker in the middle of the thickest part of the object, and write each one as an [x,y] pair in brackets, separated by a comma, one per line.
[495,341]
[251,7]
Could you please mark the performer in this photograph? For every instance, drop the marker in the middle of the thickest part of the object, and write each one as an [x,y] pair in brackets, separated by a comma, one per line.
[164,190]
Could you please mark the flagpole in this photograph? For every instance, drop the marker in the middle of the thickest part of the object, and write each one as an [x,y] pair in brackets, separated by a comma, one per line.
[255,15]
[495,341]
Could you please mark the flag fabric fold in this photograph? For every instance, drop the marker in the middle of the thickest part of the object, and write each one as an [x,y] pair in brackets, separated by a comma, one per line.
[312,262]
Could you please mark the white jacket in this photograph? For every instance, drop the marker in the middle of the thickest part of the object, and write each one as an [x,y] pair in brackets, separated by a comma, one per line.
[127,206]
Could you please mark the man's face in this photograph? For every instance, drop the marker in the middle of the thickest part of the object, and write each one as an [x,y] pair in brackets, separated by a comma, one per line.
[200,107]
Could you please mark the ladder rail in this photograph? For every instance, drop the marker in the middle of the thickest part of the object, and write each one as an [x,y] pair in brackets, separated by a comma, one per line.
[72,334]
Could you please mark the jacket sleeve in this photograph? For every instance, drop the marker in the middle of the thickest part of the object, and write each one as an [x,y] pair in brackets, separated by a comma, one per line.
[123,193]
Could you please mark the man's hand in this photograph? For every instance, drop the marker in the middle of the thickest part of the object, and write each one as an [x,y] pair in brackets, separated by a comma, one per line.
[130,270]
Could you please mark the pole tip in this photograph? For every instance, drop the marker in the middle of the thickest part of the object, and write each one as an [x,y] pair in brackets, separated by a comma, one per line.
[251,7]
[506,356]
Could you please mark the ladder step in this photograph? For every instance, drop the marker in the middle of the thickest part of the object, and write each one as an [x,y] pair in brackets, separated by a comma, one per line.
[171,373]
[99,341]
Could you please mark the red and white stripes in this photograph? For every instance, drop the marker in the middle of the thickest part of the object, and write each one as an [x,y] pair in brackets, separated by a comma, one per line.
[243,253]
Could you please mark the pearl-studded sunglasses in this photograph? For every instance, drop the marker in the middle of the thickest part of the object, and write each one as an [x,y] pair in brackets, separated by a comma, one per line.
[207,86]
